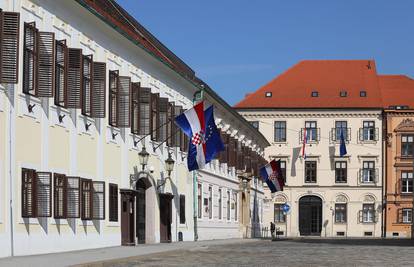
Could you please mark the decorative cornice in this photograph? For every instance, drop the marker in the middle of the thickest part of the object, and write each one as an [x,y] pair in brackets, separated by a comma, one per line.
[407,125]
[252,115]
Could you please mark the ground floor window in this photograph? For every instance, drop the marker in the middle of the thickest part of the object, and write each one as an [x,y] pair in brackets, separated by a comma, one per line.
[368,213]
[280,216]
[407,215]
[340,213]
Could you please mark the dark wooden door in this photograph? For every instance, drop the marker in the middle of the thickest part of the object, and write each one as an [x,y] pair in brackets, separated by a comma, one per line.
[310,215]
[141,215]
[127,219]
[165,217]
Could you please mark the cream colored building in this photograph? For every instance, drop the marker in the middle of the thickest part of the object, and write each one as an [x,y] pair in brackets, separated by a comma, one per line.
[328,195]
[89,89]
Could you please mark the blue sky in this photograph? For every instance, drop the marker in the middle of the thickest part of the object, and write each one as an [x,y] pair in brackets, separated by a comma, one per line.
[236,46]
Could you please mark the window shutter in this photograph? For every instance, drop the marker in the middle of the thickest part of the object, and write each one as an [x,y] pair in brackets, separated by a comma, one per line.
[61,73]
[30,51]
[155,120]
[113,202]
[135,87]
[73,197]
[223,154]
[86,199]
[113,97]
[87,85]
[59,196]
[98,205]
[145,121]
[176,131]
[29,187]
[124,102]
[9,47]
[163,119]
[74,79]
[170,125]
[46,65]
[98,89]
[44,194]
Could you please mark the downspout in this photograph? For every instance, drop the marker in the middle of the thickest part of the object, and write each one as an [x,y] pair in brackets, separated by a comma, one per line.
[384,171]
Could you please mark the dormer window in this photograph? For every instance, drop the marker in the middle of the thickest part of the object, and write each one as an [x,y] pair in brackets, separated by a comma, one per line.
[343,94]
[315,94]
[268,94]
[363,93]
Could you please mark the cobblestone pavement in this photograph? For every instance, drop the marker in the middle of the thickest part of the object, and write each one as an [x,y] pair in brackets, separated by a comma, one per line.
[299,252]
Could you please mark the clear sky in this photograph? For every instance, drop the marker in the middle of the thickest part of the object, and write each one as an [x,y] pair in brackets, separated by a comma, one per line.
[236,46]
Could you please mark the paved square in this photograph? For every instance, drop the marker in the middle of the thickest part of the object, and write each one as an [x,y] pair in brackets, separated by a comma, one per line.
[300,252]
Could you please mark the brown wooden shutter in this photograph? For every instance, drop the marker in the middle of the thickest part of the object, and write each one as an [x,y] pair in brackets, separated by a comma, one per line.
[135,87]
[73,197]
[170,125]
[44,194]
[163,119]
[124,102]
[184,138]
[113,202]
[9,47]
[61,73]
[232,152]
[74,78]
[175,129]
[86,199]
[145,111]
[46,65]
[29,204]
[87,85]
[59,196]
[30,53]
[98,200]
[98,89]
[155,119]
[113,97]
[223,154]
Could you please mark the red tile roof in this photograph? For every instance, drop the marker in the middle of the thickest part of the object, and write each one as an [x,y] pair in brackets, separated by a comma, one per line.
[293,88]
[396,90]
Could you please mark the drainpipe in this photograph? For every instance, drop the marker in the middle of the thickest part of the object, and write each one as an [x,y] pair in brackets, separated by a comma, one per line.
[10,171]
[384,172]
[195,186]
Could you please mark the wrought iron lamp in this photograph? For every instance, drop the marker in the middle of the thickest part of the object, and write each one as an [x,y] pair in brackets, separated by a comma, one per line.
[143,157]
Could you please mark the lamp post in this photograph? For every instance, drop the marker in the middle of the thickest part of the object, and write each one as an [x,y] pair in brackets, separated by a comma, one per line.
[143,157]
[169,167]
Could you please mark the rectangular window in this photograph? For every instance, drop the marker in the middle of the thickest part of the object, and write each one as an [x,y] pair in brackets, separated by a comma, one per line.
[220,204]
[311,131]
[199,203]
[113,202]
[28,193]
[163,119]
[368,131]
[9,47]
[155,119]
[119,100]
[176,131]
[30,54]
[340,213]
[310,172]
[341,127]
[74,78]
[340,172]
[368,213]
[280,216]
[98,109]
[235,207]
[36,194]
[73,197]
[407,145]
[210,202]
[144,111]
[228,206]
[60,196]
[98,200]
[406,182]
[171,127]
[182,209]
[283,169]
[368,172]
[280,131]
[86,199]
[61,73]
[407,215]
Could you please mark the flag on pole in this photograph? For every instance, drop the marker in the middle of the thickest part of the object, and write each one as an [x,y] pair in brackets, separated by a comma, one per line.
[342,146]
[304,143]
[193,125]
[272,175]
[214,144]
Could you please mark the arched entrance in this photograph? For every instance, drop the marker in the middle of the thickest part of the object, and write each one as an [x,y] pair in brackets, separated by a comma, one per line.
[310,215]
[141,187]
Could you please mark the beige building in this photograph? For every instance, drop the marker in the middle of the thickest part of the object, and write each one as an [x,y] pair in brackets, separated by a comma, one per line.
[328,195]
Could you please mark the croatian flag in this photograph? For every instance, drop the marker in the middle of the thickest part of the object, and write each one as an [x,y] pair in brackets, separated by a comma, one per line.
[193,125]
[304,143]
[272,175]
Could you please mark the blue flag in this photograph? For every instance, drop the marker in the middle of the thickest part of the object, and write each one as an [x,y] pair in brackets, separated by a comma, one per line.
[342,147]
[212,136]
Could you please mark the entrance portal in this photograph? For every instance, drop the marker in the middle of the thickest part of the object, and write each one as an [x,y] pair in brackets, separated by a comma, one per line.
[165,217]
[127,218]
[310,215]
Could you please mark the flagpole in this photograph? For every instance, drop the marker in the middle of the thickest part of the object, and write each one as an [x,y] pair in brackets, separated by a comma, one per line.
[168,137]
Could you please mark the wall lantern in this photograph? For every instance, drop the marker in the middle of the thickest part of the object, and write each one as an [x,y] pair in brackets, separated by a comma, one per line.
[143,157]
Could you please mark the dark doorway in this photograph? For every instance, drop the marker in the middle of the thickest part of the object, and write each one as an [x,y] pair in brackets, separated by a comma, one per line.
[141,187]
[310,215]
[127,218]
[165,217]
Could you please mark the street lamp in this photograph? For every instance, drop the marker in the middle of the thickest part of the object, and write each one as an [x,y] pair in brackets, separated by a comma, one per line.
[244,184]
[169,164]
[143,157]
